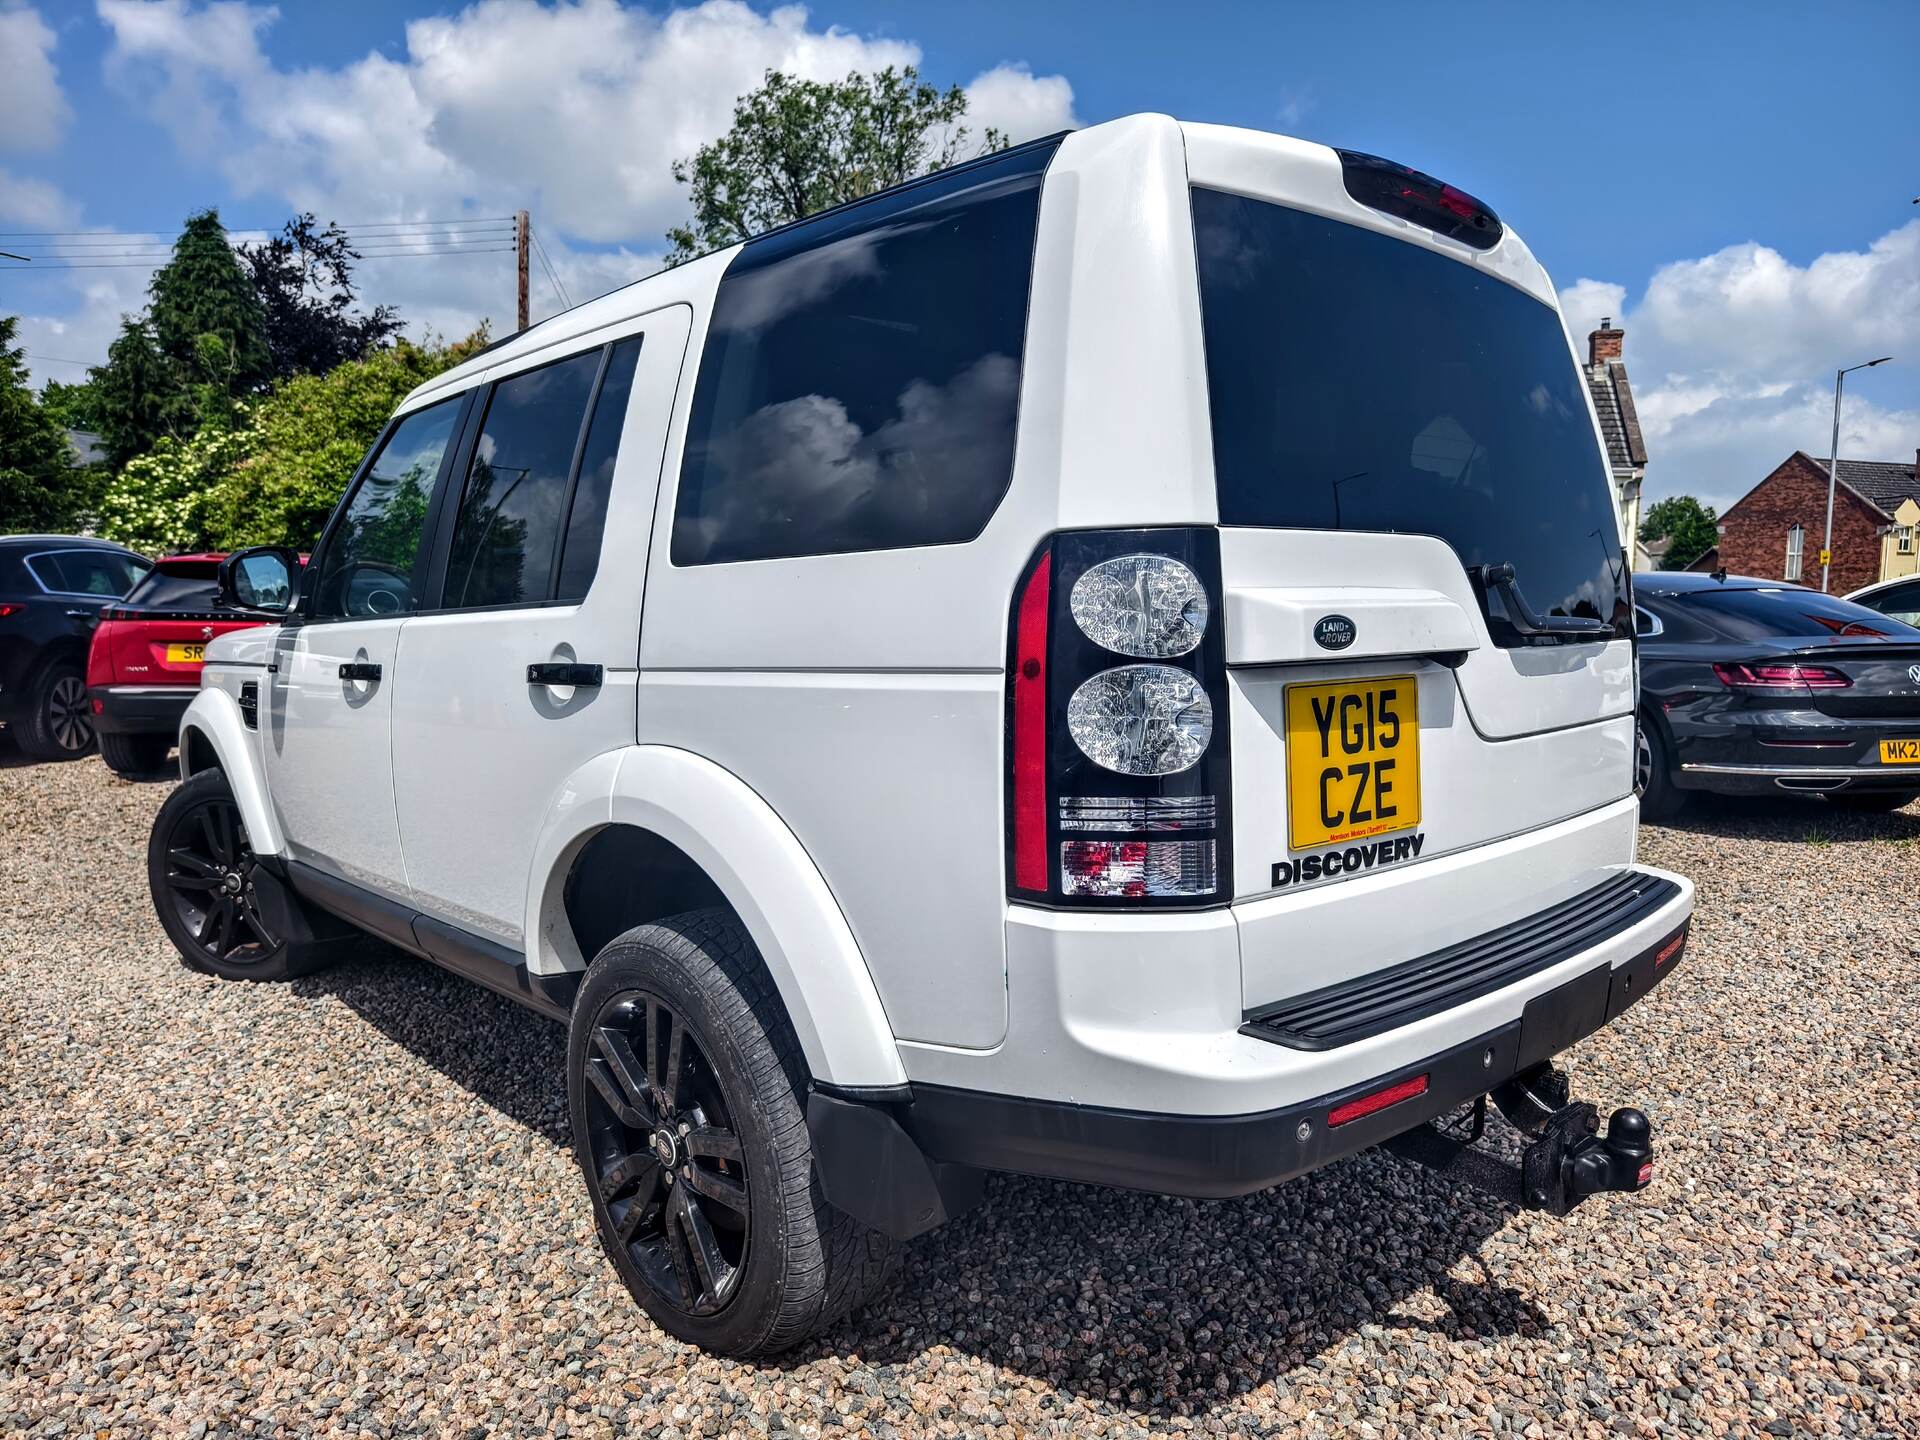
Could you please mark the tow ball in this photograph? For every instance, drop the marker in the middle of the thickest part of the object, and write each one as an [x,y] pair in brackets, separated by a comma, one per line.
[1567,1157]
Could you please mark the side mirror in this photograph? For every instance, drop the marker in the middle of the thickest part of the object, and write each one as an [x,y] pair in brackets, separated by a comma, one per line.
[263,578]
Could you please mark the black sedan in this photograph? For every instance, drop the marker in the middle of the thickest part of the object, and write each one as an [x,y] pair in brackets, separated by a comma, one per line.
[1752,687]
[51,590]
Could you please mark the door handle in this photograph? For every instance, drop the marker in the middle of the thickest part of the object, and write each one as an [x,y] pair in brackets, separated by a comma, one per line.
[564,672]
[359,670]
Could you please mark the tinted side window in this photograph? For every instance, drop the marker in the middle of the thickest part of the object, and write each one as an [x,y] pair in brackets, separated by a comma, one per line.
[1773,614]
[174,589]
[369,566]
[508,526]
[861,375]
[587,518]
[87,572]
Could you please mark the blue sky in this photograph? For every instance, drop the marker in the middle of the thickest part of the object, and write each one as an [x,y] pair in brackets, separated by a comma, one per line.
[1734,182]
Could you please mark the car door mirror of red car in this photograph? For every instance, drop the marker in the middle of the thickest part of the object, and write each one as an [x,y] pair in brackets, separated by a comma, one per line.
[266,577]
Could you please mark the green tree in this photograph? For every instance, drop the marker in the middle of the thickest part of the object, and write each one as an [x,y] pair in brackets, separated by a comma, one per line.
[72,405]
[801,146]
[1691,529]
[139,395]
[39,487]
[207,317]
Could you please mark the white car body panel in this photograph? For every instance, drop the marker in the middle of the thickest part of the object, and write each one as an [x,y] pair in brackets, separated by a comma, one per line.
[824,734]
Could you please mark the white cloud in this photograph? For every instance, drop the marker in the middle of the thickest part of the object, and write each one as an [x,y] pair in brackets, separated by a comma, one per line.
[37,203]
[1732,357]
[33,112]
[1019,104]
[574,111]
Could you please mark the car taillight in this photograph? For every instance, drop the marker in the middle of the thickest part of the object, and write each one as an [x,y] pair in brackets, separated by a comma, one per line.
[8,609]
[1765,675]
[1408,194]
[1118,779]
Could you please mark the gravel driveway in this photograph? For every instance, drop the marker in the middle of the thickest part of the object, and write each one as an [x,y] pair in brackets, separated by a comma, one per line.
[347,1207]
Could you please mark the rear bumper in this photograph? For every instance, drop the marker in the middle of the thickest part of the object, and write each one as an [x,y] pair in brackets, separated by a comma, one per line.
[1763,752]
[140,709]
[1217,1156]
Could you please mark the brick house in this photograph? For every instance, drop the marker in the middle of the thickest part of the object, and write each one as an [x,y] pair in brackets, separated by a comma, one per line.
[1775,530]
[1606,376]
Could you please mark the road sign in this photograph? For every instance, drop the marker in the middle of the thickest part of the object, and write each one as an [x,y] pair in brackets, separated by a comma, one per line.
[1826,557]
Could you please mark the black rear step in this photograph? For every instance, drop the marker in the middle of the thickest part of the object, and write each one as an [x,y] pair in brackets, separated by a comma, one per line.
[1387,999]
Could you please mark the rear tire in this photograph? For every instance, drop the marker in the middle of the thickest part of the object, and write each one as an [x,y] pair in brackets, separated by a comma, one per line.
[1874,802]
[204,878]
[687,1093]
[1660,798]
[135,755]
[58,723]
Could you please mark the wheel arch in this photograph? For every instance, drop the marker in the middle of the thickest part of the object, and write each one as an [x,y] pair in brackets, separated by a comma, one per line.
[710,838]
[213,734]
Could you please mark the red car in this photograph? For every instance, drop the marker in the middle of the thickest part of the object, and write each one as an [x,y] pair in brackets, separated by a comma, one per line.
[147,652]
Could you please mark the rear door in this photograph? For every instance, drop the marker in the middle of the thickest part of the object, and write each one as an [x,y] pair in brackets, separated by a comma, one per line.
[328,724]
[1388,419]
[541,562]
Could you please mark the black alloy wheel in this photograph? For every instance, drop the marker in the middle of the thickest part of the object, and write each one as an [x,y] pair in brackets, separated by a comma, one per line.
[69,719]
[209,881]
[668,1162]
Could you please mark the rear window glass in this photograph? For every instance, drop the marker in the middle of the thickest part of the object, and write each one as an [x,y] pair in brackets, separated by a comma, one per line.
[1771,614]
[196,589]
[1360,382]
[861,375]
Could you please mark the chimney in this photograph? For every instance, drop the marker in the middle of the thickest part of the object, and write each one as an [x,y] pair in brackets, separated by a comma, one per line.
[1604,344]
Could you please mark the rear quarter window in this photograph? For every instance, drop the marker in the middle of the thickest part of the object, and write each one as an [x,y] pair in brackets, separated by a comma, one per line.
[861,376]
[165,589]
[1790,613]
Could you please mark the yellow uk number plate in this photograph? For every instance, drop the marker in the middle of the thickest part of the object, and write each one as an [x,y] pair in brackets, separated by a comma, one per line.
[1900,752]
[1353,759]
[186,654]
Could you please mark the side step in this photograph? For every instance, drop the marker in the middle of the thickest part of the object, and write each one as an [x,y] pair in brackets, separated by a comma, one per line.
[1567,1160]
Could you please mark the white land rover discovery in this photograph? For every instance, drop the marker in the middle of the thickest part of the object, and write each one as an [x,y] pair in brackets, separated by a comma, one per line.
[1111,662]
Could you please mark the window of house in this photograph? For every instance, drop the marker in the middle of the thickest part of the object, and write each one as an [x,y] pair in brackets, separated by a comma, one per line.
[861,375]
[508,528]
[1903,539]
[1796,546]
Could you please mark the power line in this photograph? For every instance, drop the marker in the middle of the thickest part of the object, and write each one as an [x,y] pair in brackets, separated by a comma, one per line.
[57,360]
[174,234]
[547,265]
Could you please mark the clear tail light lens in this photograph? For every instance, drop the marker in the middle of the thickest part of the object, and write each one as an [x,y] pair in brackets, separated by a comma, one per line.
[1141,719]
[1118,784]
[1148,606]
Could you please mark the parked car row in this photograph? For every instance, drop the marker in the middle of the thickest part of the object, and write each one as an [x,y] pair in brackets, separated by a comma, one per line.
[1754,687]
[99,644]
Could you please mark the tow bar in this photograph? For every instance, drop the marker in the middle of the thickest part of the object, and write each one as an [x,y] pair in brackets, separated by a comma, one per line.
[1567,1159]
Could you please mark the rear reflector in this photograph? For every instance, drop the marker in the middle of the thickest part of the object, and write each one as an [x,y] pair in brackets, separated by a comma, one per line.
[1376,1102]
[1672,948]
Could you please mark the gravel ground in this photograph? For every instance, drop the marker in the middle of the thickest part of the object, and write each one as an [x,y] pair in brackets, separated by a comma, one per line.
[347,1207]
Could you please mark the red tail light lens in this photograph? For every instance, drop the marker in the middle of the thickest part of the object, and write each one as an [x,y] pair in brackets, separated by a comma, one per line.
[1401,191]
[9,610]
[1030,730]
[1779,675]
[1124,801]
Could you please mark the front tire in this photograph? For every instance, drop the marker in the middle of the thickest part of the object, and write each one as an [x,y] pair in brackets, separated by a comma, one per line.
[205,878]
[58,723]
[686,1089]
[135,755]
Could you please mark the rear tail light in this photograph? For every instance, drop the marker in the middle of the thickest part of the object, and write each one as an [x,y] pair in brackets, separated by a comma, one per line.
[1118,770]
[8,610]
[1781,675]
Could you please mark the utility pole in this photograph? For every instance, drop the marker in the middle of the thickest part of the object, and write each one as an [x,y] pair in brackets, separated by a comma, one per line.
[1833,463]
[521,228]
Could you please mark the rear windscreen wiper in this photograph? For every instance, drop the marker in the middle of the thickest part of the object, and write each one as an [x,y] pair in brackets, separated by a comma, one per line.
[1522,616]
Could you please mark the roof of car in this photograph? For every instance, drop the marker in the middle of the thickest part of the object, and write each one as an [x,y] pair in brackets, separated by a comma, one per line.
[73,542]
[1879,585]
[1683,582]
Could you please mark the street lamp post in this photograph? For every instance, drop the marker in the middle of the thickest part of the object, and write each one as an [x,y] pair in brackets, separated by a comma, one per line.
[1833,463]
